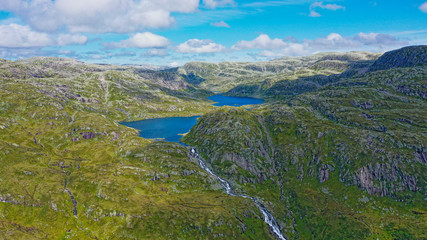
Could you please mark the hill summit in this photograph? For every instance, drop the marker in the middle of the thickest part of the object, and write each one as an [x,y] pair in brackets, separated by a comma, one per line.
[405,57]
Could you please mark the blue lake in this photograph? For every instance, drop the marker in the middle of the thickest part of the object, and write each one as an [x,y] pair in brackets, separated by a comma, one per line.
[163,128]
[169,129]
[222,100]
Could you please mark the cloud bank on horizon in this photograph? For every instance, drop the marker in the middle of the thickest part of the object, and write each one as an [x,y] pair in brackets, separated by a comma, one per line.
[172,32]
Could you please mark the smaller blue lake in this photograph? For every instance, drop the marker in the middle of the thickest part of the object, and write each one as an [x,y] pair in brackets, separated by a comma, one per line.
[166,128]
[222,100]
[169,129]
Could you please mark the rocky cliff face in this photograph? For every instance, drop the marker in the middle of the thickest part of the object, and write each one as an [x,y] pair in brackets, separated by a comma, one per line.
[246,160]
[384,179]
[166,79]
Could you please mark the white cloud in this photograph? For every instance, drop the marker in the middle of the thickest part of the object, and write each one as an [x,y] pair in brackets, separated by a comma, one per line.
[315,5]
[70,39]
[423,7]
[332,42]
[217,3]
[98,16]
[274,3]
[155,52]
[332,7]
[375,39]
[200,46]
[141,40]
[263,41]
[314,14]
[293,49]
[17,53]
[18,36]
[220,24]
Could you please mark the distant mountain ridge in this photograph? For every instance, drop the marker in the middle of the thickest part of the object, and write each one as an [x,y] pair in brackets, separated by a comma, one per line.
[412,56]
[224,76]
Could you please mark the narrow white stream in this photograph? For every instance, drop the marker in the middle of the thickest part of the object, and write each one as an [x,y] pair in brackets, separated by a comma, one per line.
[268,217]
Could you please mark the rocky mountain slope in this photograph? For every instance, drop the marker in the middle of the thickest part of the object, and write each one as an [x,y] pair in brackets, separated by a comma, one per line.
[404,57]
[285,87]
[343,160]
[336,152]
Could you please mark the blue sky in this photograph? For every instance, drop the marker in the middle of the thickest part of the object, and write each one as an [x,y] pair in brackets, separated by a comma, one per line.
[173,32]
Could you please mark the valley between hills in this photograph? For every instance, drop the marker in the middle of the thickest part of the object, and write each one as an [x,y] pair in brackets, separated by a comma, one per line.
[336,151]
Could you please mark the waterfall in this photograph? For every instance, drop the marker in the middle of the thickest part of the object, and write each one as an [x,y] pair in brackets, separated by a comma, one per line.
[268,217]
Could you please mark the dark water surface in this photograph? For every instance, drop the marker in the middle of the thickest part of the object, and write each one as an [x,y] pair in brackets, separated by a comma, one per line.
[222,100]
[164,128]
[168,129]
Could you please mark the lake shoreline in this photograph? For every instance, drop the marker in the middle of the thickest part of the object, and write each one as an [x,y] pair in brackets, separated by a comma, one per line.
[172,129]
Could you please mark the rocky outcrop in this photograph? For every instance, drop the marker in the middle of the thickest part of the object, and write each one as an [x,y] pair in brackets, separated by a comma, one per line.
[384,179]
[73,200]
[193,79]
[330,64]
[167,79]
[88,135]
[421,156]
[324,172]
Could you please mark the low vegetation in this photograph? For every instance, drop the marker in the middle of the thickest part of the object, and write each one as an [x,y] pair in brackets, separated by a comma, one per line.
[337,151]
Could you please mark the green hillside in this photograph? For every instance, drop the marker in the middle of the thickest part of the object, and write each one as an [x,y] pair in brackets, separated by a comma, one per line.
[345,159]
[337,151]
[60,140]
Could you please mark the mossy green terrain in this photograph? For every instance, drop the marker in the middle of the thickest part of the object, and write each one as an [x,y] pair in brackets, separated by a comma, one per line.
[344,161]
[70,171]
[337,151]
